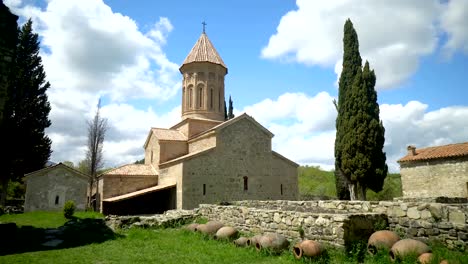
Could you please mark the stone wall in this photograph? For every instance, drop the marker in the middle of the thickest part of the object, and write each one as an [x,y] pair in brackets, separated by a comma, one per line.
[202,143]
[435,178]
[114,185]
[445,222]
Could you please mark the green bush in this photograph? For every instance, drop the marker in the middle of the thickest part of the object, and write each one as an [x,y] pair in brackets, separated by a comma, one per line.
[2,210]
[69,209]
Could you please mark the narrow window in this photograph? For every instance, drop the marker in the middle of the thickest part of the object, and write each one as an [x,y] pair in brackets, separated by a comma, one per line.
[200,97]
[219,100]
[246,183]
[281,189]
[211,98]
[204,189]
[56,200]
[151,156]
[184,100]
[190,97]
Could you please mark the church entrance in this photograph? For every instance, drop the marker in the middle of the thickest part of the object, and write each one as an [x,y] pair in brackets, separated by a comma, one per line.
[148,203]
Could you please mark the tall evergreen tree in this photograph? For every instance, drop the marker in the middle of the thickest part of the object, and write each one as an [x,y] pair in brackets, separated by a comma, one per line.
[225,111]
[26,112]
[359,156]
[231,109]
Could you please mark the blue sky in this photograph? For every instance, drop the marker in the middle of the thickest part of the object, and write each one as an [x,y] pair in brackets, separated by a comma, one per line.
[283,59]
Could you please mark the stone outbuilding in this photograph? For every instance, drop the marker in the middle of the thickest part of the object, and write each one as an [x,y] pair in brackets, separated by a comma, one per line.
[440,171]
[49,188]
[203,158]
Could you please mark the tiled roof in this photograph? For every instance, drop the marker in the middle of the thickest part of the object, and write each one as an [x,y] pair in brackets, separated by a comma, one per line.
[439,152]
[168,134]
[133,169]
[204,51]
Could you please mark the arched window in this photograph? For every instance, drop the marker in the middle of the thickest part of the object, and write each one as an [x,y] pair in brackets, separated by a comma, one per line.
[184,101]
[281,189]
[211,98]
[200,96]
[56,200]
[246,183]
[204,189]
[219,100]
[190,97]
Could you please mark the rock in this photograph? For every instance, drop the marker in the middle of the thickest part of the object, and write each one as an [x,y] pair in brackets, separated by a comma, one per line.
[457,217]
[52,243]
[413,213]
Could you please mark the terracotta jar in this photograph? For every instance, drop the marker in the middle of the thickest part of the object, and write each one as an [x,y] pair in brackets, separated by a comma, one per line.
[226,232]
[273,242]
[407,246]
[209,228]
[425,258]
[381,239]
[241,241]
[253,240]
[307,248]
[192,227]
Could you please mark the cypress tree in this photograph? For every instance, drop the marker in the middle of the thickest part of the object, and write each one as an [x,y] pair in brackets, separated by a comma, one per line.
[359,155]
[225,111]
[25,144]
[231,108]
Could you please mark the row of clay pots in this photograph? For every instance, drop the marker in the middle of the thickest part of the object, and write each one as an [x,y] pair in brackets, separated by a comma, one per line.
[269,241]
[215,229]
[389,240]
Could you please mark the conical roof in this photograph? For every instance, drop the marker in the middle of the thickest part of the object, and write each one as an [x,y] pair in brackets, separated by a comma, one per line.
[204,51]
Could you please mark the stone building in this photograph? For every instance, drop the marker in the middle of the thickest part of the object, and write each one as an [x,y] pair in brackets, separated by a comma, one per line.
[440,171]
[203,158]
[49,188]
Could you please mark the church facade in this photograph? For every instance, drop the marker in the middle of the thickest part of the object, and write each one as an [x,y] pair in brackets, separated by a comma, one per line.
[203,158]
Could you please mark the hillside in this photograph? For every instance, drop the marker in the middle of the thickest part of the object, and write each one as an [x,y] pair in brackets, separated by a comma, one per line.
[315,183]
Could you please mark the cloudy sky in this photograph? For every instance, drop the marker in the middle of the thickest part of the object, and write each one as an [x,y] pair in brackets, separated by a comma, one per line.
[284,58]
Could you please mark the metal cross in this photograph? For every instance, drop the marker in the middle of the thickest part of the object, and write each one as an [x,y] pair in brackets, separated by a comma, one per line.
[204,24]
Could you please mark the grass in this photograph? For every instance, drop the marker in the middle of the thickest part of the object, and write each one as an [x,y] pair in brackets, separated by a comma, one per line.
[43,219]
[179,246]
[316,183]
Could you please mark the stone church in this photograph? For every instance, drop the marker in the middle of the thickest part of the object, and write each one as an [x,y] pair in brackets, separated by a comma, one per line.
[203,158]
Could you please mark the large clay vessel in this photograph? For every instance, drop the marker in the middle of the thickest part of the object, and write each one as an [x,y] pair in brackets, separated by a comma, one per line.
[307,248]
[241,241]
[407,246]
[191,227]
[253,240]
[444,261]
[425,258]
[226,232]
[273,242]
[381,239]
[209,228]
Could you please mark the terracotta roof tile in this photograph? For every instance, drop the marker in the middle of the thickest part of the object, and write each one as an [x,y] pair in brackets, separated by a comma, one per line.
[168,134]
[133,169]
[204,51]
[439,152]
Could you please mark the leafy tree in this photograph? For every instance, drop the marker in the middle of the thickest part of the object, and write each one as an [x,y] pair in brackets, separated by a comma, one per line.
[231,108]
[97,128]
[225,111]
[68,163]
[359,156]
[26,112]
[142,161]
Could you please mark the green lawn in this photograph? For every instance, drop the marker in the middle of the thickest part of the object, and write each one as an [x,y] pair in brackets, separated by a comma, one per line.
[180,246]
[44,219]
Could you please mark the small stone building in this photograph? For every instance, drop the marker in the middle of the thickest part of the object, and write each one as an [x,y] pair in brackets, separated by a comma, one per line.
[440,171]
[49,188]
[203,158]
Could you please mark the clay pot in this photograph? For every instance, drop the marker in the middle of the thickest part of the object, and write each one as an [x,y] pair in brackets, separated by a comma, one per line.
[241,241]
[273,242]
[407,246]
[209,228]
[191,227]
[381,239]
[425,258]
[226,232]
[307,248]
[444,261]
[253,240]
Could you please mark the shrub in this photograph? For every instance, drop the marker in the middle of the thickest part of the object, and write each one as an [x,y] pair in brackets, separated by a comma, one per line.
[2,210]
[69,209]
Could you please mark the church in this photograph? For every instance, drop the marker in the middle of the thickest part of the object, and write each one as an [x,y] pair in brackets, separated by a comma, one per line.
[202,158]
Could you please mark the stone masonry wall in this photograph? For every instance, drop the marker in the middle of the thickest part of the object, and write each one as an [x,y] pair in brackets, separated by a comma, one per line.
[202,143]
[445,222]
[424,179]
[114,185]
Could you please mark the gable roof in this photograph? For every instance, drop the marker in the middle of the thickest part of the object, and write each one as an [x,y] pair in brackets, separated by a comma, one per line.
[438,152]
[204,51]
[133,170]
[56,166]
[233,121]
[165,134]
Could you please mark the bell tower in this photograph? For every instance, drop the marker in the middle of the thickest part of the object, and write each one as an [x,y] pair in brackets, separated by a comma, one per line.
[203,81]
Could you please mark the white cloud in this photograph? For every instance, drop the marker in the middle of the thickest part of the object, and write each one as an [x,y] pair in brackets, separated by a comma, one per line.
[88,52]
[304,127]
[393,35]
[454,20]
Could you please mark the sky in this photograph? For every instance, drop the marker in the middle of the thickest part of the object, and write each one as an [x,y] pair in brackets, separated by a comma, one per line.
[284,59]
